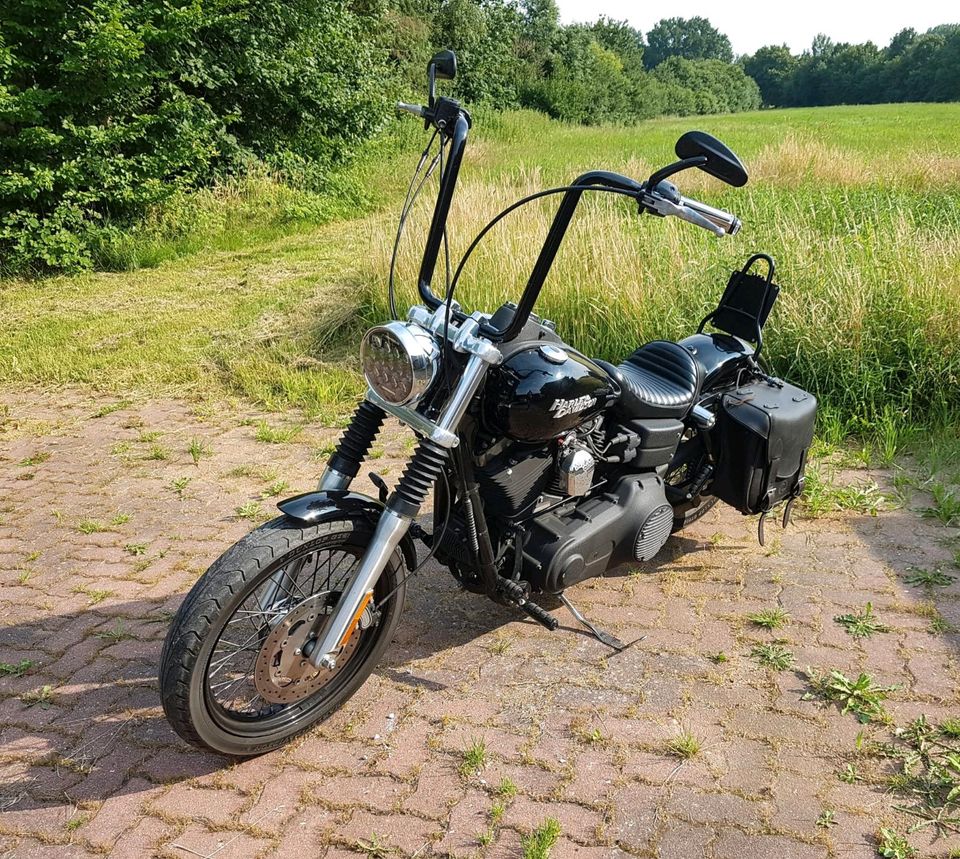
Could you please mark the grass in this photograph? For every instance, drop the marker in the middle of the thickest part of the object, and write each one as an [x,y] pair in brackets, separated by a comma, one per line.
[118,632]
[90,526]
[863,624]
[946,505]
[198,449]
[276,435]
[95,595]
[770,618]
[250,510]
[538,843]
[474,758]
[859,205]
[684,746]
[773,655]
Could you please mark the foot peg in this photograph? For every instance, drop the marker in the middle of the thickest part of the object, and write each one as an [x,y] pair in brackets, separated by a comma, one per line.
[606,638]
[517,594]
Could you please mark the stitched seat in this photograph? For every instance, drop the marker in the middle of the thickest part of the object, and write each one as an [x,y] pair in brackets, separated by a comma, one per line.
[660,380]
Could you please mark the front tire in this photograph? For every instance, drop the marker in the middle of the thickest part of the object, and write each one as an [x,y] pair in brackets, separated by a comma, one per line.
[208,685]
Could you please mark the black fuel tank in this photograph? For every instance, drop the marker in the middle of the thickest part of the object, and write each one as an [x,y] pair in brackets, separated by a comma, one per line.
[544,390]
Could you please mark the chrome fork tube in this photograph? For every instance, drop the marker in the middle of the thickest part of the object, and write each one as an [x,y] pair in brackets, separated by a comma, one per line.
[333,481]
[391,528]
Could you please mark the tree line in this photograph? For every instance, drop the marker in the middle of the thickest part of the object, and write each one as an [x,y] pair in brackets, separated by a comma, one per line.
[913,67]
[107,107]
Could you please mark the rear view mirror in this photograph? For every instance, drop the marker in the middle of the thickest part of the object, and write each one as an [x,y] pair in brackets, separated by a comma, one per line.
[721,162]
[444,65]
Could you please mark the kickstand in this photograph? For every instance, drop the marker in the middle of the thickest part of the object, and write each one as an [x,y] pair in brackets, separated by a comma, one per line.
[606,638]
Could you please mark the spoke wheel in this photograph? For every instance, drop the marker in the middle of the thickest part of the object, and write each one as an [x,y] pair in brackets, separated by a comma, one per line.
[231,676]
[680,474]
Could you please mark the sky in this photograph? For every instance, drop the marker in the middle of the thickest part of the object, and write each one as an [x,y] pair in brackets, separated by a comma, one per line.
[750,25]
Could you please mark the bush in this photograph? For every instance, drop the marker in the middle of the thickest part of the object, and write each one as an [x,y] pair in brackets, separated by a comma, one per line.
[108,108]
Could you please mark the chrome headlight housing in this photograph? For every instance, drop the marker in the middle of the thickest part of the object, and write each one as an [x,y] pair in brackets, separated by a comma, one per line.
[399,361]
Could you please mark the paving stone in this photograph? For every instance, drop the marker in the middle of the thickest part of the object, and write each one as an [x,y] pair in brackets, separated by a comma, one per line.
[735,845]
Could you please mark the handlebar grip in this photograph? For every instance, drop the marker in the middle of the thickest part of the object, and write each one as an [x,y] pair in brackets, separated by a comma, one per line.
[415,109]
[726,221]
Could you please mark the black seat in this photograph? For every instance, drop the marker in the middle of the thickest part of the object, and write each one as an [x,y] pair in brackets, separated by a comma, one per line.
[660,380]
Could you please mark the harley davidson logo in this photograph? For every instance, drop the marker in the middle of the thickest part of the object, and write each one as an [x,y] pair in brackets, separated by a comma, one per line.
[562,408]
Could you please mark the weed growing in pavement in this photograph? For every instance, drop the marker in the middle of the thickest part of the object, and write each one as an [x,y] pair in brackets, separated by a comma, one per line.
[950,728]
[90,526]
[928,578]
[110,408]
[500,644]
[158,452]
[24,576]
[180,484]
[863,624]
[770,618]
[684,746]
[42,697]
[507,789]
[826,818]
[946,505]
[474,758]
[850,774]
[15,669]
[118,632]
[36,459]
[773,655]
[276,435]
[892,845]
[539,843]
[376,846]
[861,696]
[250,510]
[198,449]
[718,658]
[274,489]
[136,549]
[928,759]
[95,595]
[120,519]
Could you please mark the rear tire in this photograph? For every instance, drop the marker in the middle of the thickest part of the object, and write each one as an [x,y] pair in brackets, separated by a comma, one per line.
[680,473]
[279,551]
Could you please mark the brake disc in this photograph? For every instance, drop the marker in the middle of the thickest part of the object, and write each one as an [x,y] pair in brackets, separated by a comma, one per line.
[282,674]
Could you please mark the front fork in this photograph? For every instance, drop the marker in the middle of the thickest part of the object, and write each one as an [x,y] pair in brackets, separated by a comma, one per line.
[402,508]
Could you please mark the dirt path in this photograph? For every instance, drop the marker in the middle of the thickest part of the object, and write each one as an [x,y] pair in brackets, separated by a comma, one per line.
[107,521]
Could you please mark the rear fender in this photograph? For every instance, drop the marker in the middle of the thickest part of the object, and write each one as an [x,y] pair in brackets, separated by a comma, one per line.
[721,357]
[314,507]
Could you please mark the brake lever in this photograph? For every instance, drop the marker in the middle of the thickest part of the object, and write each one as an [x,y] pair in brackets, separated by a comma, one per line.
[666,208]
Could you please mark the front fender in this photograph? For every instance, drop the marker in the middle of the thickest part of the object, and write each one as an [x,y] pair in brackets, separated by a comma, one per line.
[324,506]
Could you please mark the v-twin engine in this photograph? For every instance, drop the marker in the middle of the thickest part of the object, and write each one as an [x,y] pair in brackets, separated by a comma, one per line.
[629,522]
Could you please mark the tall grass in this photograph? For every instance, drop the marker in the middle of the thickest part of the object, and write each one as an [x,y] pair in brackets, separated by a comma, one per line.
[866,235]
[261,291]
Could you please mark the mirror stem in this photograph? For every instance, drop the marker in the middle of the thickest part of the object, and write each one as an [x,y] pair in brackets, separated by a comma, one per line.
[676,167]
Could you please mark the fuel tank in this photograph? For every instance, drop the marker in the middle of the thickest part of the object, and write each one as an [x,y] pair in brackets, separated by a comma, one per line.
[543,390]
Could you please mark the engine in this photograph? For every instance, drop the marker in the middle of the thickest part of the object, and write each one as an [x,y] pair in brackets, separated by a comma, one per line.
[566,540]
[630,521]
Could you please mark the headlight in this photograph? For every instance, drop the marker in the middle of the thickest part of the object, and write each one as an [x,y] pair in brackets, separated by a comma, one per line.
[399,361]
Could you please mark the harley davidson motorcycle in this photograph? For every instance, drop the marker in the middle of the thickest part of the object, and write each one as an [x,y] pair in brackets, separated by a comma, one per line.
[547,467]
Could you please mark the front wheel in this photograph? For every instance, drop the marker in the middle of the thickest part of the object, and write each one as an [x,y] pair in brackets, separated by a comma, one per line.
[231,679]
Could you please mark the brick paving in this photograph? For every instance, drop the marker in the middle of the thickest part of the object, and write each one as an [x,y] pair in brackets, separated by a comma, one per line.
[106,521]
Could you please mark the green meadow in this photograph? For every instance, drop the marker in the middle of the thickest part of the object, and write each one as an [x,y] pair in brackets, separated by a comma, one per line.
[257,292]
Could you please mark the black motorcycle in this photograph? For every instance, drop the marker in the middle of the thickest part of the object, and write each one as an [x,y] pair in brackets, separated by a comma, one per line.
[547,467]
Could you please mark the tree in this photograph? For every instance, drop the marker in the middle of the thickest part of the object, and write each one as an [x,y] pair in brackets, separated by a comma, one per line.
[772,67]
[692,39]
